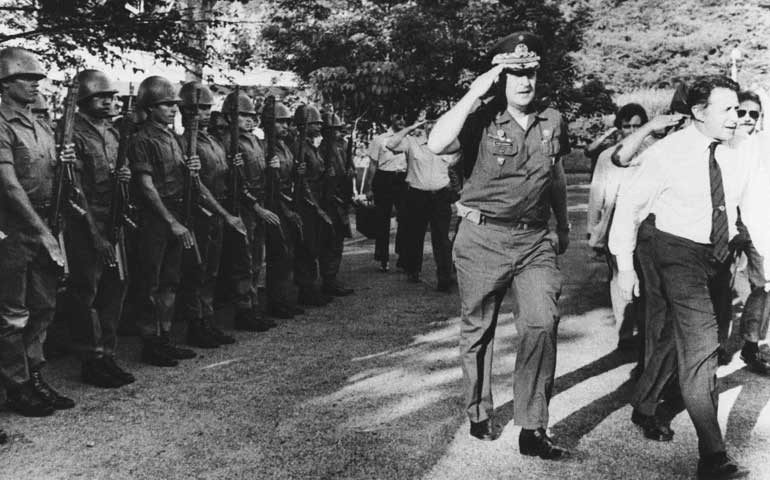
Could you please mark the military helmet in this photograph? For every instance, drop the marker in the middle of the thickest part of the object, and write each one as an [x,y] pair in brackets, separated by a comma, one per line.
[312,115]
[187,94]
[40,105]
[281,112]
[93,82]
[19,61]
[331,120]
[245,104]
[154,90]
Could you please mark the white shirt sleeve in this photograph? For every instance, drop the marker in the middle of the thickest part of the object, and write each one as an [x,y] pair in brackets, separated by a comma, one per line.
[633,198]
[754,203]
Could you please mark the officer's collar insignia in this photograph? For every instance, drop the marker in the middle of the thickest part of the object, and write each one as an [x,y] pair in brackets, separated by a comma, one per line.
[520,58]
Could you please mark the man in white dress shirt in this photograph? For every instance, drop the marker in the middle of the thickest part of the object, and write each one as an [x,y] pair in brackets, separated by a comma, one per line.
[692,183]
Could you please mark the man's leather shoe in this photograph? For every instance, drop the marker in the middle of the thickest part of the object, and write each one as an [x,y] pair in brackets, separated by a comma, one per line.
[200,336]
[117,371]
[95,372]
[482,430]
[25,401]
[250,321]
[178,353]
[336,290]
[220,336]
[536,443]
[651,427]
[280,311]
[48,394]
[152,354]
[756,363]
[718,466]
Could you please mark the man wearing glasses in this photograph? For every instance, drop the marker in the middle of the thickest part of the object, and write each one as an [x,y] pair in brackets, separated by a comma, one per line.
[512,149]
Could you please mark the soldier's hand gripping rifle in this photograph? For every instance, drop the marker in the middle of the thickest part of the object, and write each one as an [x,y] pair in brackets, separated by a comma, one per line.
[66,190]
[192,181]
[120,203]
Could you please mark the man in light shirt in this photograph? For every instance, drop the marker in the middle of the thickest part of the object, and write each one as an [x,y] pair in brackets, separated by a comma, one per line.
[692,183]
[427,201]
[388,187]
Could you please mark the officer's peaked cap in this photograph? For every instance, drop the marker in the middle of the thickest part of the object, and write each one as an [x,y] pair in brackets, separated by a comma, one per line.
[518,51]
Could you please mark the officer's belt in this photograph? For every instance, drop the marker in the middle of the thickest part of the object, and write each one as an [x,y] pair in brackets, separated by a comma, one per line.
[479,218]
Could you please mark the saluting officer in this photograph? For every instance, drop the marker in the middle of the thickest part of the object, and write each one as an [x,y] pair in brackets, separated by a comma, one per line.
[315,222]
[196,299]
[334,203]
[158,166]
[504,235]
[243,256]
[95,290]
[29,255]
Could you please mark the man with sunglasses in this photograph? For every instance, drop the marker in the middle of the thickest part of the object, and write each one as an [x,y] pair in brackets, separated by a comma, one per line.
[30,258]
[512,149]
[159,167]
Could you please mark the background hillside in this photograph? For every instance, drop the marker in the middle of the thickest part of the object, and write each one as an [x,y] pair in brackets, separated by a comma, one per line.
[631,44]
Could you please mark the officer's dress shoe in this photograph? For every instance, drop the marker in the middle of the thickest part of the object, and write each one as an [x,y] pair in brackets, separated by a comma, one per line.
[117,371]
[536,443]
[336,290]
[483,431]
[48,394]
[250,321]
[220,336]
[152,354]
[652,427]
[94,371]
[200,336]
[25,401]
[718,466]
[756,363]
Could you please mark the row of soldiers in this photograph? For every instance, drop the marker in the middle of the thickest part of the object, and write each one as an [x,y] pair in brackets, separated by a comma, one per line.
[201,210]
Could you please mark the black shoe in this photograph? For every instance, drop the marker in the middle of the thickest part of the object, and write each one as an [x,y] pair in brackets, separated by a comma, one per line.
[25,401]
[723,358]
[718,466]
[756,364]
[652,427]
[278,310]
[95,372]
[295,310]
[177,353]
[250,321]
[336,290]
[200,336]
[117,371]
[536,443]
[48,394]
[3,437]
[221,336]
[483,431]
[152,354]
[312,299]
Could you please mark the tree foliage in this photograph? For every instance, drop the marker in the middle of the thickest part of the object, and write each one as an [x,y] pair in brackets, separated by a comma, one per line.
[377,57]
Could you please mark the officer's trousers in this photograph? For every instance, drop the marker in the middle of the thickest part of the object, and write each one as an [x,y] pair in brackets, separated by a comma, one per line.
[488,259]
[95,295]
[686,273]
[28,282]
[388,191]
[198,283]
[160,265]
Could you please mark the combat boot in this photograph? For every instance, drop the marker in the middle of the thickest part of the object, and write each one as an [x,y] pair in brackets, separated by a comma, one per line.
[280,310]
[250,321]
[153,355]
[25,401]
[116,371]
[48,394]
[335,289]
[94,371]
[312,298]
[200,336]
[220,336]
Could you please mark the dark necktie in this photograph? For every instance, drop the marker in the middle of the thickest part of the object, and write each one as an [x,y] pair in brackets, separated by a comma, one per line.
[719,230]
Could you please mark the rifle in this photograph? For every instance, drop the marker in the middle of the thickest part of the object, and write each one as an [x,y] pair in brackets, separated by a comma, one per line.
[120,204]
[66,190]
[299,179]
[192,181]
[238,188]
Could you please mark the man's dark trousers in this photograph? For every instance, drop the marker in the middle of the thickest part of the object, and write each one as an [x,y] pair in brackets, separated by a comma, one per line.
[425,208]
[388,191]
[686,273]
